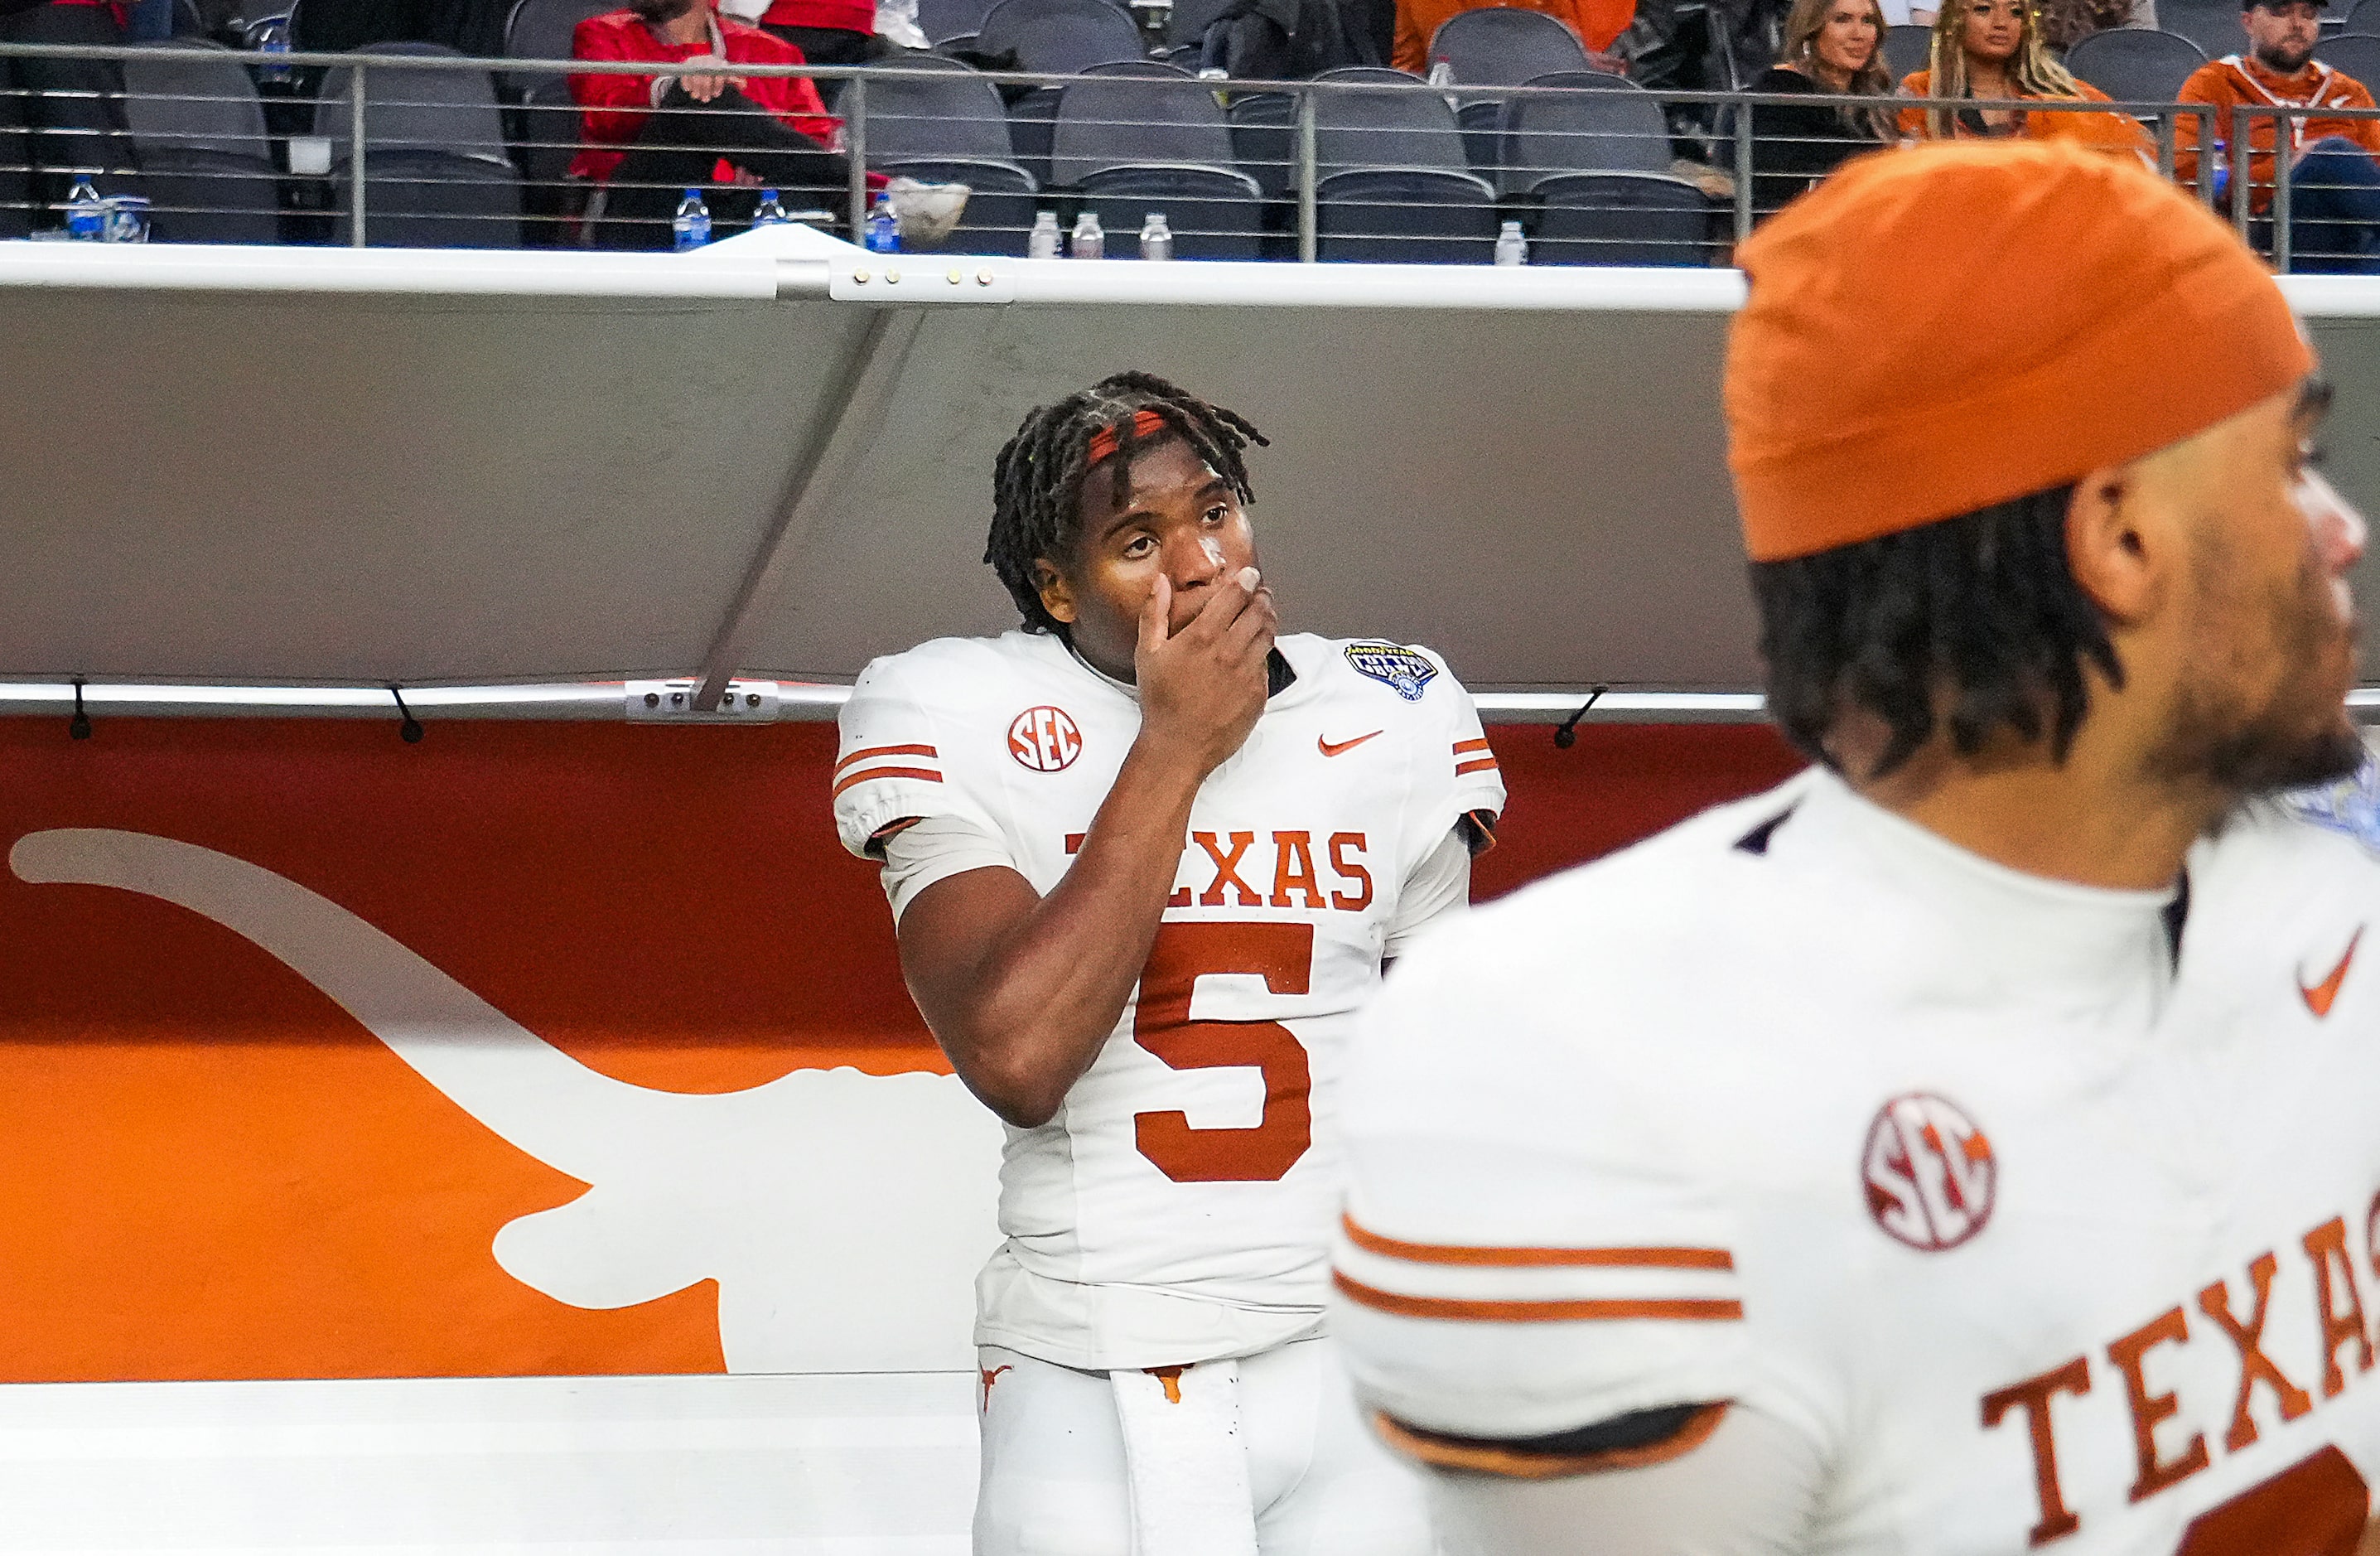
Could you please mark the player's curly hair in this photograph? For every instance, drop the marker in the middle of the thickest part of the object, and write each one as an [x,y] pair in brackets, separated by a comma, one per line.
[1981,611]
[1038,480]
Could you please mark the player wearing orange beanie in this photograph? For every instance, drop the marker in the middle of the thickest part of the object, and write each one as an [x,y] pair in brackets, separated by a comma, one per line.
[1967,1146]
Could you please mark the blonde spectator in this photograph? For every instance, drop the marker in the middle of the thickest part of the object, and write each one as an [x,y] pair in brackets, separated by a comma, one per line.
[1832,47]
[1993,49]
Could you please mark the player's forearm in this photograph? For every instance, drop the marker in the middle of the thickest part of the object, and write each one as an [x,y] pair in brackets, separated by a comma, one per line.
[1050,991]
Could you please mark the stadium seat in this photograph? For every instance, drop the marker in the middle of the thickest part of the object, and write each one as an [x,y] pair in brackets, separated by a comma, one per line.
[543,125]
[1603,124]
[544,139]
[435,168]
[1033,117]
[1060,37]
[2213,25]
[1905,50]
[1186,26]
[2136,65]
[1156,140]
[1063,37]
[1142,113]
[541,29]
[2363,17]
[340,26]
[943,21]
[1504,46]
[1499,46]
[2357,53]
[199,131]
[1394,184]
[1264,139]
[947,126]
[1594,160]
[1620,219]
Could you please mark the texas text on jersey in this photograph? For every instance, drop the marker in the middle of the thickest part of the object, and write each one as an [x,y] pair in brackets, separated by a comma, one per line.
[2023,1230]
[1178,1206]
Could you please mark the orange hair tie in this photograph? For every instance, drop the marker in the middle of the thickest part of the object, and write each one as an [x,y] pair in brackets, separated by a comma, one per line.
[1104,442]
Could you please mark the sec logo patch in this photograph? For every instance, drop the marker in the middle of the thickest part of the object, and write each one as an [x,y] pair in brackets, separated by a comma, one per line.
[1929,1172]
[1045,739]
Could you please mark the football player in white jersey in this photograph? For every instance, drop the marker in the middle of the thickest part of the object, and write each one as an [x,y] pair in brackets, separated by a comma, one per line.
[1973,1144]
[1145,859]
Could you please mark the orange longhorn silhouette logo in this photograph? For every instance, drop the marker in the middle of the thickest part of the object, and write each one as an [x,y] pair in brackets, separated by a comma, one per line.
[842,1214]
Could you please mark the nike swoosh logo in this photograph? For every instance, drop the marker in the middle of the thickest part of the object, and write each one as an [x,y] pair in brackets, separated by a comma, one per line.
[1328,749]
[2320,997]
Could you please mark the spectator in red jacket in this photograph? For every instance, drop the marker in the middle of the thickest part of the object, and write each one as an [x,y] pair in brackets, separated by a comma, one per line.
[647,139]
[828,31]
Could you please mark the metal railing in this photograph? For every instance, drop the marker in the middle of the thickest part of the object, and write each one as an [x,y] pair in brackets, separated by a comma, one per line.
[381,146]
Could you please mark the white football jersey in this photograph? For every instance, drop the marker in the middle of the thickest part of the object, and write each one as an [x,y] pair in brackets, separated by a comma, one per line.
[1179,1206]
[2037,1234]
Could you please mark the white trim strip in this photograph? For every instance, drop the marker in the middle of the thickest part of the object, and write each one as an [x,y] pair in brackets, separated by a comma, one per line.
[795,700]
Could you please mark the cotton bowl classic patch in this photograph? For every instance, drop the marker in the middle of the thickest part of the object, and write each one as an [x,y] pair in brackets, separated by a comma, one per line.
[1408,670]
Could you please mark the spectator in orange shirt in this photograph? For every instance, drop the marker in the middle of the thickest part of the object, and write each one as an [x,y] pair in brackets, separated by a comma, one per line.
[1992,49]
[1598,24]
[2333,180]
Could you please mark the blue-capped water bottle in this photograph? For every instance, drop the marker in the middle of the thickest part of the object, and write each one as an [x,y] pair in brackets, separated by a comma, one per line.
[86,217]
[275,42]
[771,212]
[692,227]
[883,227]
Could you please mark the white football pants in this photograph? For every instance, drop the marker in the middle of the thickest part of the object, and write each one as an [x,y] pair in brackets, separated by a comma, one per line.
[1054,1462]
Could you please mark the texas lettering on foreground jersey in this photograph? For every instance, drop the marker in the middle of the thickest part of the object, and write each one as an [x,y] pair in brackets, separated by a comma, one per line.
[2035,1233]
[1179,1205]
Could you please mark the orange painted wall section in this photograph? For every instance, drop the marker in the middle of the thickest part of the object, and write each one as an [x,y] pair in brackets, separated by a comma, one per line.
[209,1169]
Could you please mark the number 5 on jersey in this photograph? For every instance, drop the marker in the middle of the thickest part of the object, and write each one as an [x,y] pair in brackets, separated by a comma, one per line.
[1282,954]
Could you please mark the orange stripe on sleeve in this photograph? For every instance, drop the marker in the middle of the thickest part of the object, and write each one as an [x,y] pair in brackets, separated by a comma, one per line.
[1463,745]
[1477,764]
[1677,1308]
[926,773]
[874,751]
[1574,1259]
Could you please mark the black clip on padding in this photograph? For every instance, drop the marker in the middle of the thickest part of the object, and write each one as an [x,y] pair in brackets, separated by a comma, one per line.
[411,728]
[1567,735]
[78,727]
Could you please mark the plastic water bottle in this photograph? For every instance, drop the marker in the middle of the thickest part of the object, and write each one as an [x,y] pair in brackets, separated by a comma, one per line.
[883,227]
[1441,75]
[1041,243]
[1156,237]
[1512,248]
[276,41]
[771,212]
[692,227]
[86,217]
[1090,242]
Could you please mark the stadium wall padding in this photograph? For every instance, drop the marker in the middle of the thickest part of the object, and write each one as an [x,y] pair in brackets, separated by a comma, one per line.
[614,1073]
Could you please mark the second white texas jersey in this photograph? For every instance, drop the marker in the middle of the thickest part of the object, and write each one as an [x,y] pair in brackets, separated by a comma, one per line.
[2033,1235]
[1178,1207]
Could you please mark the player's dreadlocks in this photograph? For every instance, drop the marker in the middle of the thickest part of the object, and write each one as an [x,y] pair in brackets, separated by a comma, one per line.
[1982,610]
[1038,480]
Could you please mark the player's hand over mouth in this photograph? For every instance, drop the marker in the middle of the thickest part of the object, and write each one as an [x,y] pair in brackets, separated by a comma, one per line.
[1202,689]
